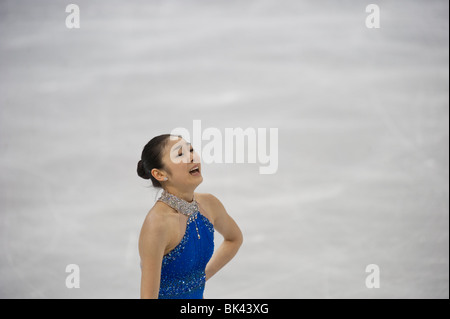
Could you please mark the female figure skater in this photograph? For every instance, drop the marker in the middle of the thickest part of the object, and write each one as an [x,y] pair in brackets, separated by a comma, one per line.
[176,243]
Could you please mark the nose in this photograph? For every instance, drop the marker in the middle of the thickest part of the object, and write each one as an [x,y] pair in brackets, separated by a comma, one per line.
[195,158]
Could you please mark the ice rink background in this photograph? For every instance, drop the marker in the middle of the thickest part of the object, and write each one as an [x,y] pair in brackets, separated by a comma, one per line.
[363,141]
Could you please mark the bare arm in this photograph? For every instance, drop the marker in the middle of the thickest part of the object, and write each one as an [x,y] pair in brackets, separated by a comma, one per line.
[230,231]
[152,243]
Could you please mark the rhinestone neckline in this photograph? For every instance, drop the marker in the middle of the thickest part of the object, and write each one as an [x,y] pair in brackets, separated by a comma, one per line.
[180,205]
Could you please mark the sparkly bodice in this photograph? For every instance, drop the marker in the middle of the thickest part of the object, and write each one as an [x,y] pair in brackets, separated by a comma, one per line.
[183,268]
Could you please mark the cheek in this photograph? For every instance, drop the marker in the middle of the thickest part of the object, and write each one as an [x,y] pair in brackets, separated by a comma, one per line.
[178,170]
[173,167]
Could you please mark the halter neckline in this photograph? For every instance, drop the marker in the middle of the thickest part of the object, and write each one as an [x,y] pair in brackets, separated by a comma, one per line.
[180,205]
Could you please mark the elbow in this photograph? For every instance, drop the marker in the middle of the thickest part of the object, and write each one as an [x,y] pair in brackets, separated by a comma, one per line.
[235,241]
[240,240]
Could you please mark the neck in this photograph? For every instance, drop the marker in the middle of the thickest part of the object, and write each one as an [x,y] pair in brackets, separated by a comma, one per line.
[186,195]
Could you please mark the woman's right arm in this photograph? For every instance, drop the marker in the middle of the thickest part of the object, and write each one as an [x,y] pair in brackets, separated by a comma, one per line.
[152,243]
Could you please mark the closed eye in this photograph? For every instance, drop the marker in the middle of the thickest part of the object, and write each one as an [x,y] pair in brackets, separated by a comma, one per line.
[181,153]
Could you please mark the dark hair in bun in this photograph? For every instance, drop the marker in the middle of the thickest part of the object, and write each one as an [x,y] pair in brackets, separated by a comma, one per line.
[152,158]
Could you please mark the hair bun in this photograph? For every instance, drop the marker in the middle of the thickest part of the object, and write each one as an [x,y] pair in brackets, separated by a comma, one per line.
[141,171]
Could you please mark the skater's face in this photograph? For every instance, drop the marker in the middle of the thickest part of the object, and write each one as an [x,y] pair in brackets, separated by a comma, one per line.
[182,166]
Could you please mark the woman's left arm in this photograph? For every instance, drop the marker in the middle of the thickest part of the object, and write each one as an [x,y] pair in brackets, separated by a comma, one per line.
[227,227]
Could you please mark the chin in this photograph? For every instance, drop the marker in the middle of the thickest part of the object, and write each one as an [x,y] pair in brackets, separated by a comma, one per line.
[192,180]
[199,180]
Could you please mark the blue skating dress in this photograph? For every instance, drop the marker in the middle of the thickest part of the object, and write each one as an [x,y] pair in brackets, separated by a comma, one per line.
[183,268]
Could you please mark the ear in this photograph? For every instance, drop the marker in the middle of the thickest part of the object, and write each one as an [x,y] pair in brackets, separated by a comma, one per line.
[160,176]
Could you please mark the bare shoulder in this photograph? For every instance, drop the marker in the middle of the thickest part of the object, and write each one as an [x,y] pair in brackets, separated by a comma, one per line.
[158,225]
[217,213]
[207,198]
[211,204]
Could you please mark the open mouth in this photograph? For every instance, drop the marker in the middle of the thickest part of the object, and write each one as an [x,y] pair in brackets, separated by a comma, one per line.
[195,171]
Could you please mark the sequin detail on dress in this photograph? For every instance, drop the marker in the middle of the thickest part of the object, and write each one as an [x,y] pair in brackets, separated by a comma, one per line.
[183,268]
